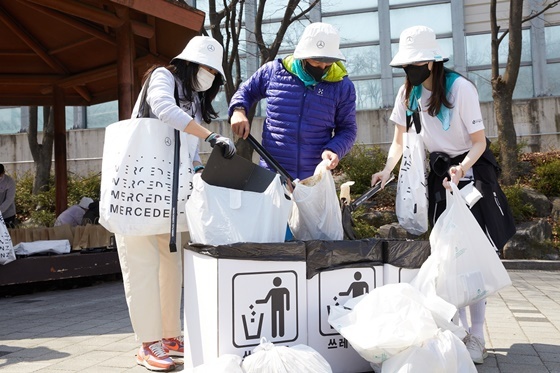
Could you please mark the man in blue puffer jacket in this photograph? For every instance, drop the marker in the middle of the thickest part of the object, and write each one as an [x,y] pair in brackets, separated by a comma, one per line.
[311,104]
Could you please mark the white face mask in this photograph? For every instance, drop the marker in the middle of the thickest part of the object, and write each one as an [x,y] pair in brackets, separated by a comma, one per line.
[205,79]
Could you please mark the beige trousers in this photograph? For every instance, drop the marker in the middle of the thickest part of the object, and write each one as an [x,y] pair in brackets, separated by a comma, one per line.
[152,278]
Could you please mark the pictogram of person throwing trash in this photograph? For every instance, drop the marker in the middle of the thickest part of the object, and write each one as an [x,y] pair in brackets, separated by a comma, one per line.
[357,288]
[279,303]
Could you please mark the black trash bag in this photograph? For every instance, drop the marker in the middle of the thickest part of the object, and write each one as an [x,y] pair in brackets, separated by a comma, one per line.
[328,255]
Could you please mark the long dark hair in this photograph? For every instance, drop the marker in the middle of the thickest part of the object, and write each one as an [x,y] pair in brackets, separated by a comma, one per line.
[186,72]
[438,97]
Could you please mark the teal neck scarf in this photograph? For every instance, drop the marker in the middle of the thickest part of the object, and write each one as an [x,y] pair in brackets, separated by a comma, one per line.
[444,114]
[302,74]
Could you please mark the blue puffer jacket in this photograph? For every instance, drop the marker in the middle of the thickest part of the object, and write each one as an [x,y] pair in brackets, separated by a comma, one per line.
[301,122]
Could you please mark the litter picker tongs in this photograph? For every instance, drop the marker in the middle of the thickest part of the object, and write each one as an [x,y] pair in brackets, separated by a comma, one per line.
[369,193]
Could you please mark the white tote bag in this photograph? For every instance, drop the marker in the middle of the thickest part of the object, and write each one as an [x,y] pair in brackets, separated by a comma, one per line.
[221,216]
[7,253]
[137,176]
[468,268]
[316,212]
[411,204]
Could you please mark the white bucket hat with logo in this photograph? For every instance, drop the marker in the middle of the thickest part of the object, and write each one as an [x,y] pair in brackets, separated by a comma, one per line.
[418,44]
[204,50]
[319,41]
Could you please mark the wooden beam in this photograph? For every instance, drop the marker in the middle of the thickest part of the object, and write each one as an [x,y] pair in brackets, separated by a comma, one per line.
[142,29]
[20,79]
[70,46]
[30,40]
[84,92]
[171,11]
[80,10]
[125,64]
[152,45]
[72,22]
[90,76]
[60,167]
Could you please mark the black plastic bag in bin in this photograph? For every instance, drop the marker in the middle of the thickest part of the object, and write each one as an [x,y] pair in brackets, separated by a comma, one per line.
[326,255]
[281,251]
[405,254]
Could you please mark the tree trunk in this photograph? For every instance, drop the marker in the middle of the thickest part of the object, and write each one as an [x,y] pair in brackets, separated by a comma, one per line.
[503,98]
[42,153]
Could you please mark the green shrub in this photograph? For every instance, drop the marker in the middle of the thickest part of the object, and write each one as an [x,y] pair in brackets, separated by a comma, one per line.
[360,163]
[363,228]
[40,209]
[521,211]
[547,178]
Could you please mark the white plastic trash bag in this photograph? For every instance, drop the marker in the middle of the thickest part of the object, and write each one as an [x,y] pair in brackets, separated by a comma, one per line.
[227,363]
[7,253]
[221,216]
[463,266]
[411,202]
[388,320]
[316,212]
[444,353]
[43,247]
[268,358]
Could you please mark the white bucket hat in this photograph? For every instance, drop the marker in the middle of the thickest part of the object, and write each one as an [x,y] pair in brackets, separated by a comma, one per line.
[84,202]
[418,44]
[319,41]
[204,50]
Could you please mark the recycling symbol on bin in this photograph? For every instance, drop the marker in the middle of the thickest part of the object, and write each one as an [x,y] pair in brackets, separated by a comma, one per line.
[265,305]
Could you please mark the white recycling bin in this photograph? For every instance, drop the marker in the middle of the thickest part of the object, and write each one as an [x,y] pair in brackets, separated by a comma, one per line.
[236,294]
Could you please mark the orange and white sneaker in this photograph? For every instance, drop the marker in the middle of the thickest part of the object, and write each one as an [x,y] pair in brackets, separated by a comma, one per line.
[154,357]
[174,346]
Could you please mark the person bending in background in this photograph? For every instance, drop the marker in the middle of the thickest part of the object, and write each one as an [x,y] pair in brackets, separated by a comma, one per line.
[7,198]
[74,214]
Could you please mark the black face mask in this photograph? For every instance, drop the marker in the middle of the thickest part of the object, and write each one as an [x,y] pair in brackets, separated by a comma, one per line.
[315,72]
[417,74]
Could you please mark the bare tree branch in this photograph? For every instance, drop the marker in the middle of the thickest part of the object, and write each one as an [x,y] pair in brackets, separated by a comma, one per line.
[304,12]
[530,17]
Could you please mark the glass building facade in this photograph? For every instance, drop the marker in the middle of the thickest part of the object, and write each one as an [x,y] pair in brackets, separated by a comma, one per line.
[370,32]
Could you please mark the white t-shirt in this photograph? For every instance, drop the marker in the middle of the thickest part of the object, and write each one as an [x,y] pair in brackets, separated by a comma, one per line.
[465,119]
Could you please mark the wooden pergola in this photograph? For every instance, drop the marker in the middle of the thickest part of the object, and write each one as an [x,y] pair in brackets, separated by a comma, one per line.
[84,52]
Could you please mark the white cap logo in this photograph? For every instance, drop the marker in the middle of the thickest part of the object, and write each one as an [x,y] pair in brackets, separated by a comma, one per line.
[211,48]
[409,39]
[320,44]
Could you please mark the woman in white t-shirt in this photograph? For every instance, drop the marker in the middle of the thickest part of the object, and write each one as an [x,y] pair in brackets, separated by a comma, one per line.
[444,106]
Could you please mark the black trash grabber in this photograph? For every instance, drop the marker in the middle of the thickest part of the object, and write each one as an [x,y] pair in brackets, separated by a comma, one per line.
[175,192]
[348,207]
[270,160]
[175,182]
[369,193]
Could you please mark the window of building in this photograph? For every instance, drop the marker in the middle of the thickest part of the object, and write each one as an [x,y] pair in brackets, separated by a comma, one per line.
[523,88]
[479,51]
[437,17]
[328,6]
[361,61]
[101,115]
[368,94]
[356,28]
[553,84]
[10,120]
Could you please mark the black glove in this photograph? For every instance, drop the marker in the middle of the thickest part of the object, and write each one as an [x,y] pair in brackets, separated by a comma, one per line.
[228,147]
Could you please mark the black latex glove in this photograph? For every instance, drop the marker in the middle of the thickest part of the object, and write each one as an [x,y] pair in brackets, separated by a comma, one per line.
[228,147]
